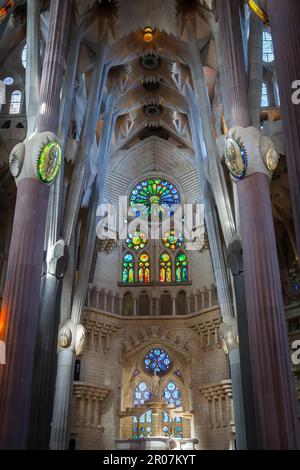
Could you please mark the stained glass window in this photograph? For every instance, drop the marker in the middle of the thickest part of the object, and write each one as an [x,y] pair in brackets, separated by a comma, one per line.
[128,269]
[268,51]
[142,427]
[157,360]
[141,394]
[15,102]
[154,194]
[172,396]
[181,268]
[171,241]
[5,8]
[144,268]
[136,241]
[264,96]
[165,268]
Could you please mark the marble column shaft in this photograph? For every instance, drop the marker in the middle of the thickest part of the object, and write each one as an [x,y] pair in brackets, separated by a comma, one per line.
[274,401]
[19,313]
[274,396]
[284,19]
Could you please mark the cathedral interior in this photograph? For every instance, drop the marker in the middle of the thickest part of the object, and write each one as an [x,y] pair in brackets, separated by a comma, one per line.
[111,337]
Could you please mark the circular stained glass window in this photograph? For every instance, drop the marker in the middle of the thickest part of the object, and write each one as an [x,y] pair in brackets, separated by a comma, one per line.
[8,81]
[157,360]
[136,241]
[155,196]
[171,241]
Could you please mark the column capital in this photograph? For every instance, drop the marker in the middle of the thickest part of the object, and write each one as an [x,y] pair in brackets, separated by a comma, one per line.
[247,151]
[229,335]
[39,157]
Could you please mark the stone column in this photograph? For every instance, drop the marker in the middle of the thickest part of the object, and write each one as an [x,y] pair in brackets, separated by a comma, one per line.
[173,303]
[251,159]
[60,434]
[19,312]
[113,302]
[120,303]
[134,306]
[284,20]
[105,300]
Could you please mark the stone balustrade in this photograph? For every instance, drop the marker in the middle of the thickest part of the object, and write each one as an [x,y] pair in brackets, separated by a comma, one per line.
[171,301]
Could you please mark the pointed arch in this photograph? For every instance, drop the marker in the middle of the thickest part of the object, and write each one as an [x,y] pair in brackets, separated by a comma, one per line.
[144,271]
[181,267]
[128,271]
[165,268]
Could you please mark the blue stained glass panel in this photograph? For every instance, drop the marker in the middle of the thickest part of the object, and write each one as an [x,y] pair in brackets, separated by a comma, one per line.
[157,360]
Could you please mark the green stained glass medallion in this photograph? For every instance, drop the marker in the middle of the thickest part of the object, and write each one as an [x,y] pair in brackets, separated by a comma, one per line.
[172,242]
[49,162]
[136,241]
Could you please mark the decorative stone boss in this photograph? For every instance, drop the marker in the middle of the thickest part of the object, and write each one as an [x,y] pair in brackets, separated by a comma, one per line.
[247,151]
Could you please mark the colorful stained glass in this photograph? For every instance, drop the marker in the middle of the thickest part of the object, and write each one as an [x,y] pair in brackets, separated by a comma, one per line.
[6,7]
[181,268]
[155,195]
[136,241]
[142,427]
[128,269]
[144,268]
[172,395]
[172,242]
[49,162]
[165,268]
[157,360]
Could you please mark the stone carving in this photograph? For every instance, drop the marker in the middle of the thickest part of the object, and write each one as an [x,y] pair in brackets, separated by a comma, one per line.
[16,159]
[155,385]
[65,337]
[58,259]
[229,335]
[269,153]
[80,339]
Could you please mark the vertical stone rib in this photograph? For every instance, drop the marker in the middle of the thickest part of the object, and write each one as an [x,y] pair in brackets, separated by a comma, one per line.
[285,29]
[274,398]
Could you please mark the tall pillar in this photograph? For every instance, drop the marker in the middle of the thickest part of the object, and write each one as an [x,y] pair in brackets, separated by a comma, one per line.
[251,159]
[173,303]
[19,312]
[134,306]
[284,19]
[226,307]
